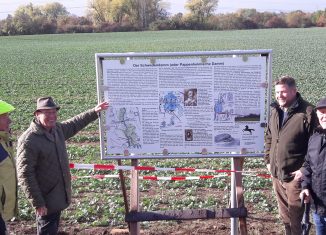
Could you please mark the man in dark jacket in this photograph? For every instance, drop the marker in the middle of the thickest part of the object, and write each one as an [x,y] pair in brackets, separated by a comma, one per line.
[290,125]
[314,171]
[42,161]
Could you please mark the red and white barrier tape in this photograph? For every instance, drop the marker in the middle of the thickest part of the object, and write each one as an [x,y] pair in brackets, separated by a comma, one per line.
[153,168]
[100,177]
[172,178]
[150,168]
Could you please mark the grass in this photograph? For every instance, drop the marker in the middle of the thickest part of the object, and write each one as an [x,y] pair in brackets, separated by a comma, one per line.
[63,66]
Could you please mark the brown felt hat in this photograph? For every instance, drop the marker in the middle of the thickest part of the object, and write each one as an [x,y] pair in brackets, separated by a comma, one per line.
[46,103]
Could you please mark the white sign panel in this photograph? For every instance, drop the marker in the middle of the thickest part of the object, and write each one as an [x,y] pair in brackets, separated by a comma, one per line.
[185,105]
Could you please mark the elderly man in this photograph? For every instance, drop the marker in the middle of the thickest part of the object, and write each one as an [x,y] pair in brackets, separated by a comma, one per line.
[314,171]
[291,123]
[42,161]
[8,180]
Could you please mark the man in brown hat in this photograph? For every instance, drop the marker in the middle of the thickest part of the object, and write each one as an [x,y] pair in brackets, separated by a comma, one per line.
[42,161]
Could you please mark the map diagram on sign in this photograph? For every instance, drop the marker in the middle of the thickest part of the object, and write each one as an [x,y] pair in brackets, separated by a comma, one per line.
[171,108]
[124,125]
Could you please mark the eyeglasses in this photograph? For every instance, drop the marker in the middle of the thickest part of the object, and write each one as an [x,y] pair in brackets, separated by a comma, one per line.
[48,112]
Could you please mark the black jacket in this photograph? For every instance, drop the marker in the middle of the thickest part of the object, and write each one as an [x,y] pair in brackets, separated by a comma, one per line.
[286,146]
[314,171]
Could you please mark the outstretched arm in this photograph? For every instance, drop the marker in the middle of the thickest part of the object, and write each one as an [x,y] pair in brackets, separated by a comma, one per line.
[71,126]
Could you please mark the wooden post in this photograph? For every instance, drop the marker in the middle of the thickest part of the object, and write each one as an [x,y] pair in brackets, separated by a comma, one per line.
[237,198]
[239,191]
[134,198]
[124,191]
[238,163]
[186,214]
[233,199]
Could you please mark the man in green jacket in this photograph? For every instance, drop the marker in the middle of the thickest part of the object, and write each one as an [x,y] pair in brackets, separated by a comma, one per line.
[291,123]
[8,179]
[42,161]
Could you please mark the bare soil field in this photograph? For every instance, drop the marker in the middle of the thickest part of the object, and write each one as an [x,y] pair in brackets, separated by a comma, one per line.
[257,223]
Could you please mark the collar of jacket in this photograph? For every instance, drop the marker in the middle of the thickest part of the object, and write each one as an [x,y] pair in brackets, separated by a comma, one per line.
[320,130]
[4,135]
[295,104]
[38,128]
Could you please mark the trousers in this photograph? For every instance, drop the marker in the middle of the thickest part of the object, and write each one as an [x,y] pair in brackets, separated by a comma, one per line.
[289,204]
[48,224]
[320,224]
[2,226]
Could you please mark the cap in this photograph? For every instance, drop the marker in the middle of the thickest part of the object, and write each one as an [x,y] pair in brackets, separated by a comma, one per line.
[5,107]
[46,103]
[321,103]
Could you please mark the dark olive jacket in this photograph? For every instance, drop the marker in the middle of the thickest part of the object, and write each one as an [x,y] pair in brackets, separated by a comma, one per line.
[42,162]
[314,171]
[286,146]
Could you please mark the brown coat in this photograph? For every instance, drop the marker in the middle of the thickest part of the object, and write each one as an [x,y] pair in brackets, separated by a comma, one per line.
[286,146]
[42,162]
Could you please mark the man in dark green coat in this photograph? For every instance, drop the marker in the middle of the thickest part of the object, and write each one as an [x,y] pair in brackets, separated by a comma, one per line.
[291,123]
[42,161]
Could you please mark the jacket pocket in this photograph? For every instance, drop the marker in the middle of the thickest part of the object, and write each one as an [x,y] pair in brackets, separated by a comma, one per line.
[56,199]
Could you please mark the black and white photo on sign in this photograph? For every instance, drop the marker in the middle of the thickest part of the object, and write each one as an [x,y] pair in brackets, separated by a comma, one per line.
[190,97]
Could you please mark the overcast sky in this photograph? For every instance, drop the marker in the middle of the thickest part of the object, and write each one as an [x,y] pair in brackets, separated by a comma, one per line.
[78,7]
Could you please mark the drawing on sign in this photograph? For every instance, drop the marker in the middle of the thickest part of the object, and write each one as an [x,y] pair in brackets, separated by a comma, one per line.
[171,109]
[226,140]
[224,107]
[250,130]
[124,124]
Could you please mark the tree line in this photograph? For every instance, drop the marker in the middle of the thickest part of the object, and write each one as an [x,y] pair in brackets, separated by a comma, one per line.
[136,15]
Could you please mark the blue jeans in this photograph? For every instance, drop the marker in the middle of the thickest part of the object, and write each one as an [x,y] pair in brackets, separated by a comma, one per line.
[48,224]
[320,223]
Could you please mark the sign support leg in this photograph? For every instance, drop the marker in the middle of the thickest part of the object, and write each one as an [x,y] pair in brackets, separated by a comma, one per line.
[134,198]
[124,191]
[237,198]
[234,221]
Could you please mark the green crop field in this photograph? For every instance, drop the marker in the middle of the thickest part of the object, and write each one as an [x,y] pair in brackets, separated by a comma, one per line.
[63,66]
